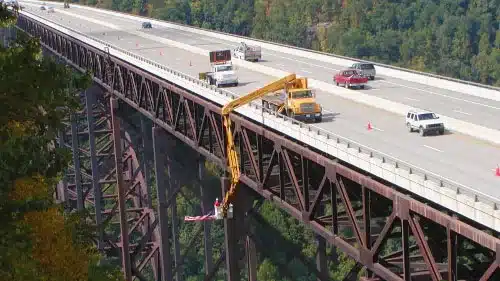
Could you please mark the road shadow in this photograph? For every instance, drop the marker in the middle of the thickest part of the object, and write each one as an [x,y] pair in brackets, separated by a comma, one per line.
[203,44]
[369,87]
[436,135]
[446,133]
[330,117]
[160,49]
[242,84]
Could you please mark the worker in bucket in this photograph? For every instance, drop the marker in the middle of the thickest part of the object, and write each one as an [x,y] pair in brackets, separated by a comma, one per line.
[217,211]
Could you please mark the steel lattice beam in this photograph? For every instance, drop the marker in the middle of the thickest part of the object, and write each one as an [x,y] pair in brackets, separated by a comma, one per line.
[337,201]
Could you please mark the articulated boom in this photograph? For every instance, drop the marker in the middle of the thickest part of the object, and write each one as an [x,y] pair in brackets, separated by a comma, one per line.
[289,81]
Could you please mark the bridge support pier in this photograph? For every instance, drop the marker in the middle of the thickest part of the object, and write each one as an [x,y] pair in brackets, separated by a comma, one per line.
[321,261]
[452,245]
[124,237]
[76,163]
[231,238]
[251,257]
[162,185]
[90,101]
[147,156]
[175,226]
[206,207]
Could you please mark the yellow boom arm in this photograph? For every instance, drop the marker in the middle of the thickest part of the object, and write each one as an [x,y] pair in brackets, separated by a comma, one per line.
[232,157]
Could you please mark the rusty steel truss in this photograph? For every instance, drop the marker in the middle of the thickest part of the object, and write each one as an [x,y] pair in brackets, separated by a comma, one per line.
[391,235]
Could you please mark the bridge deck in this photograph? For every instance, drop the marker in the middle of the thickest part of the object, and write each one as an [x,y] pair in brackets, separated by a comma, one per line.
[460,158]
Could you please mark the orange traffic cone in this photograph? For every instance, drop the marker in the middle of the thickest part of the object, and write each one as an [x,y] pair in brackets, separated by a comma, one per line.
[369,127]
[497,171]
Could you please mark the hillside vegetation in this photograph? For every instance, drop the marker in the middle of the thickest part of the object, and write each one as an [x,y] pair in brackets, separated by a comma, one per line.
[456,38]
[38,240]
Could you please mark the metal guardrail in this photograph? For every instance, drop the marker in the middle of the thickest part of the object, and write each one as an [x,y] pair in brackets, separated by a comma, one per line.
[323,135]
[466,82]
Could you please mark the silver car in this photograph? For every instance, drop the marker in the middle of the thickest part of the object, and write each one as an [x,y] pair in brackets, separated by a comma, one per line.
[365,69]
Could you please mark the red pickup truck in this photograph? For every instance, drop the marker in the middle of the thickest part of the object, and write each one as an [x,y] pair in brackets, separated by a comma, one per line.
[350,78]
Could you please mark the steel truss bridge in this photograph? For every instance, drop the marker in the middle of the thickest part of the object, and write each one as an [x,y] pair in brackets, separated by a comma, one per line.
[118,173]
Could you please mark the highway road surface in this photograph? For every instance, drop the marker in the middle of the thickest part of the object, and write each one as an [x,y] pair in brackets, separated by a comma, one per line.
[457,157]
[461,106]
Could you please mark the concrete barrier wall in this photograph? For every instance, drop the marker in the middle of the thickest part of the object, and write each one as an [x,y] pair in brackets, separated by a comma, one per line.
[451,84]
[454,196]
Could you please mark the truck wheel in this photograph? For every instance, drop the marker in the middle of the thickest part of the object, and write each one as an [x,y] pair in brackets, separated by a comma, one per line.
[337,84]
[441,132]
[408,125]
[319,119]
[421,131]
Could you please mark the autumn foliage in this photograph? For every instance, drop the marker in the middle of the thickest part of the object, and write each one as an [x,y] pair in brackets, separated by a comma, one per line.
[38,240]
[58,257]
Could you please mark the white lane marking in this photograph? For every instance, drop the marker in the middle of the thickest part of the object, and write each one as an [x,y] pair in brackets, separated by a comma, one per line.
[444,95]
[411,99]
[375,128]
[306,71]
[433,148]
[459,111]
[279,64]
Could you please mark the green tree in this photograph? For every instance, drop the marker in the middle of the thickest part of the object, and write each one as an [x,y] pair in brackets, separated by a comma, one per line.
[38,241]
[267,271]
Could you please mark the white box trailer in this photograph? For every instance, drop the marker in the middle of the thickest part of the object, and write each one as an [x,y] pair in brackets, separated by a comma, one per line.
[247,52]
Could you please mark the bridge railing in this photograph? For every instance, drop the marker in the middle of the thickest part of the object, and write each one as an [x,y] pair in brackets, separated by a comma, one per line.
[465,197]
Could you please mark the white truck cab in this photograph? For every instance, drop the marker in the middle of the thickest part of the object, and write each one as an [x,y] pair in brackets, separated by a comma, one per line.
[224,74]
[424,122]
[222,70]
